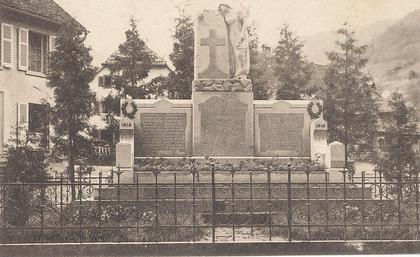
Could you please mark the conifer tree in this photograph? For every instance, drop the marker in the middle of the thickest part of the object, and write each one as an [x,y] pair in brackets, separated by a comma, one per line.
[351,101]
[179,82]
[70,72]
[291,69]
[131,64]
[259,67]
[400,138]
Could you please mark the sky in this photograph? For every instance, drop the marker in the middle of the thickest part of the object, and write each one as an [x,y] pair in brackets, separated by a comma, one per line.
[108,19]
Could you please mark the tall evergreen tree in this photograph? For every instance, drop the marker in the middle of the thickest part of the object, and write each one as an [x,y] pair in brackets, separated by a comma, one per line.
[179,81]
[351,104]
[400,137]
[291,68]
[131,64]
[70,72]
[258,67]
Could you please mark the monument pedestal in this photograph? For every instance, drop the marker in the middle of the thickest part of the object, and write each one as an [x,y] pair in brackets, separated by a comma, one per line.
[124,151]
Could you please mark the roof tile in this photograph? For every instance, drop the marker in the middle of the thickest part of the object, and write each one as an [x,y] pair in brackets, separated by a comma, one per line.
[45,8]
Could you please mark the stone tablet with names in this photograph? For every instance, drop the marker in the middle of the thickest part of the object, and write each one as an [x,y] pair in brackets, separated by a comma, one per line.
[223,127]
[162,134]
[281,133]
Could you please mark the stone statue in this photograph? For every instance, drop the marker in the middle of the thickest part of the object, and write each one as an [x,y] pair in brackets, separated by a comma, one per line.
[237,28]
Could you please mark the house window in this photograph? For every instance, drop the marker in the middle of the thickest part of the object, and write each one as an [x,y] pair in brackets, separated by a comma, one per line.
[38,118]
[37,52]
[105,81]
[35,118]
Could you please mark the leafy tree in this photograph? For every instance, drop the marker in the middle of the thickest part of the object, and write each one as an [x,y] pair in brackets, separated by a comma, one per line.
[351,104]
[292,70]
[400,137]
[131,64]
[258,68]
[70,71]
[179,81]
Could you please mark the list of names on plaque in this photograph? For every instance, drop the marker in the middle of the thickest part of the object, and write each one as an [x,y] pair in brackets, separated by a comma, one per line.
[163,132]
[281,132]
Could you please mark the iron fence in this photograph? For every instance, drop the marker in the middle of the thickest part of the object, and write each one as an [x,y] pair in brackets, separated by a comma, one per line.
[211,205]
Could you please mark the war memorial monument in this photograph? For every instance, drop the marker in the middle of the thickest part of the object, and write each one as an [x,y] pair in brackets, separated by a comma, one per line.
[222,120]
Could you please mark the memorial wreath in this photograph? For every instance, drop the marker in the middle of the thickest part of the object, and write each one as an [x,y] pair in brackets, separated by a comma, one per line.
[312,113]
[125,109]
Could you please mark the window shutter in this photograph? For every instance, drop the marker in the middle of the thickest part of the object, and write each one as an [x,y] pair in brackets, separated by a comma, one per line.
[6,45]
[52,45]
[23,113]
[23,49]
[44,54]
[101,81]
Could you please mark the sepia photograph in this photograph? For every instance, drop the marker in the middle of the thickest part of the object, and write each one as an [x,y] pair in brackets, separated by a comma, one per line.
[209,128]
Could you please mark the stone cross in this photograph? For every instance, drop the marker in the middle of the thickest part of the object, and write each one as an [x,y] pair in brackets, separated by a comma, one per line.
[212,41]
[211,54]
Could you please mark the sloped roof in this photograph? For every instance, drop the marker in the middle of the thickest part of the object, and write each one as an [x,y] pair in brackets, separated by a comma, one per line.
[43,8]
[156,59]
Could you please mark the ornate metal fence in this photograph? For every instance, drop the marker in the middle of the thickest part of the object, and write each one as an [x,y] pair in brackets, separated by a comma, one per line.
[211,205]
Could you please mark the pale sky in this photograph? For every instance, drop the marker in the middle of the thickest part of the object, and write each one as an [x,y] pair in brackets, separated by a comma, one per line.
[108,19]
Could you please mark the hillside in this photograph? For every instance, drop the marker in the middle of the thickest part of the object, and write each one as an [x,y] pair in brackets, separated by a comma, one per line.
[393,52]
[316,45]
[395,59]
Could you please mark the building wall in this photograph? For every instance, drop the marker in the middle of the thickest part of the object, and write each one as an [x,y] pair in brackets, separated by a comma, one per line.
[19,86]
[1,118]
[102,92]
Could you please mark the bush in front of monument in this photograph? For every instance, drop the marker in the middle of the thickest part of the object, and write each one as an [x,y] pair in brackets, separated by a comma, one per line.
[362,222]
[88,222]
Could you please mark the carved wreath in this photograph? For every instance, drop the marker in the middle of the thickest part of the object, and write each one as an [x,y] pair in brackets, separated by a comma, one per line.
[312,113]
[129,111]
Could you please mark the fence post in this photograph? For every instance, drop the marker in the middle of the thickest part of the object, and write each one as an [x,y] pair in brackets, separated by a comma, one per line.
[232,171]
[417,204]
[381,205]
[175,210]
[399,198]
[61,202]
[137,204]
[289,202]
[326,204]
[363,205]
[80,205]
[3,205]
[99,200]
[269,201]
[42,210]
[213,201]
[118,202]
[251,207]
[193,172]
[156,174]
[375,183]
[345,203]
[308,203]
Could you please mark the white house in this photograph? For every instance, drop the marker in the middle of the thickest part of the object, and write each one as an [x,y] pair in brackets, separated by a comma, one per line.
[102,86]
[28,29]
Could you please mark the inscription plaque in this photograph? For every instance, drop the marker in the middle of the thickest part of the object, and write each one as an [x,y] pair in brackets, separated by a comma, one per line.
[223,127]
[281,132]
[163,133]
[123,155]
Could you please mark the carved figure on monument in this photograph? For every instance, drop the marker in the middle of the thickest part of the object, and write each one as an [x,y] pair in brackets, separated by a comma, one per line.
[237,28]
